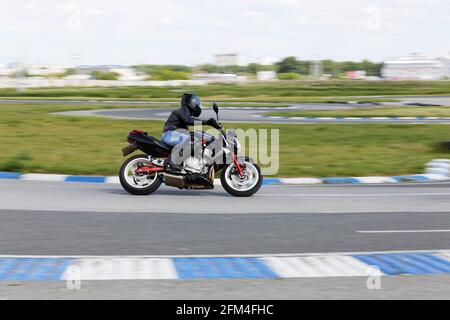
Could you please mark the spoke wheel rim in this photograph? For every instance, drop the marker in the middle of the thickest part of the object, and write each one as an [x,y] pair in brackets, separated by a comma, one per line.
[138,181]
[249,181]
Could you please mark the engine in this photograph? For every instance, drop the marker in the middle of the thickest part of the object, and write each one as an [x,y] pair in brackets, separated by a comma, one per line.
[195,165]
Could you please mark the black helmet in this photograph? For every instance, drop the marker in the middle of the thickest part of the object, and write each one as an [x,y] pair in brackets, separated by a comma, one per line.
[193,102]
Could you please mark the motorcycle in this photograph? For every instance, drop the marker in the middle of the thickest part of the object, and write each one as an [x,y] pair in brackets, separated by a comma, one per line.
[142,174]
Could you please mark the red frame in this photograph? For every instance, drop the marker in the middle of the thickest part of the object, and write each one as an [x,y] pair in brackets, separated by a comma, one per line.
[148,169]
[237,165]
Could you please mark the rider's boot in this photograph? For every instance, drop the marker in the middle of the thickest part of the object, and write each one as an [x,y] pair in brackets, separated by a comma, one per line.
[169,165]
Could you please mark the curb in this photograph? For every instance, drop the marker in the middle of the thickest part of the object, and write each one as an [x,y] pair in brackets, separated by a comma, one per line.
[436,170]
[224,267]
[352,118]
[267,181]
[438,166]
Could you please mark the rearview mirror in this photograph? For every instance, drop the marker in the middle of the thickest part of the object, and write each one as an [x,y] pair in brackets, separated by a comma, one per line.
[215,108]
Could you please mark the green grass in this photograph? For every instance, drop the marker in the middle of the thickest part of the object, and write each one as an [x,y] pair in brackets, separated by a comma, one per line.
[375,112]
[274,101]
[32,140]
[284,91]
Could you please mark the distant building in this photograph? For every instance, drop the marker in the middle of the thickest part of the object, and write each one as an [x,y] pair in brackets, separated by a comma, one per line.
[32,70]
[356,75]
[128,74]
[266,75]
[77,77]
[446,62]
[85,69]
[218,77]
[229,59]
[45,70]
[268,61]
[6,70]
[415,67]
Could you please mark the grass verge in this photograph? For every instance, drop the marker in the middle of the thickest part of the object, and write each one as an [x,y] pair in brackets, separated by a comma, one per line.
[375,112]
[33,140]
[271,91]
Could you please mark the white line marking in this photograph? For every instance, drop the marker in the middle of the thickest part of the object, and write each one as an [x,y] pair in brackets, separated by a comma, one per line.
[317,266]
[300,180]
[43,177]
[352,194]
[125,268]
[403,231]
[444,254]
[345,253]
[373,179]
[112,179]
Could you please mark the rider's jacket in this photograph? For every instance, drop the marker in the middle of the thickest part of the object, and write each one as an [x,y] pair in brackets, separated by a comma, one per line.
[181,118]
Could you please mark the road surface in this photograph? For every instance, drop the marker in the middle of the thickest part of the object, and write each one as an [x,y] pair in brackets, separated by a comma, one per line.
[60,218]
[252,115]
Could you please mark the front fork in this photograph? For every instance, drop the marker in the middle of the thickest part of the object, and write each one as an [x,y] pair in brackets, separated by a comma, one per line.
[238,165]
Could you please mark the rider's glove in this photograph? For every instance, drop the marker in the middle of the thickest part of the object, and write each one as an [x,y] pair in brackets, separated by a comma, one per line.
[213,123]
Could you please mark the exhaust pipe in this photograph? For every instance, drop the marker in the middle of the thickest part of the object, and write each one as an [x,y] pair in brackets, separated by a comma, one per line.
[174,181]
[190,182]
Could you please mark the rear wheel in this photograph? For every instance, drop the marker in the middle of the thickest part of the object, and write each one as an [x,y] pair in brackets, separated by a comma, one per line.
[244,186]
[138,184]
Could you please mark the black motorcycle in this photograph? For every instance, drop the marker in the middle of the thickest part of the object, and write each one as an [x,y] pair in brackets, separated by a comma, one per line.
[142,174]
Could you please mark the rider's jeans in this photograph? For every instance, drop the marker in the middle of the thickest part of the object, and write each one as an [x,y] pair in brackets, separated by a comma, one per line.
[174,137]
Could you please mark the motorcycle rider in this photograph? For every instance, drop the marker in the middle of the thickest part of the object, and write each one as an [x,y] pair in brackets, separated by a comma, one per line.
[176,127]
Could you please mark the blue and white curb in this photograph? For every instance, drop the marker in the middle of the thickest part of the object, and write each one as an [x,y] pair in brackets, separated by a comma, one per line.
[224,267]
[436,170]
[346,119]
[429,177]
[438,166]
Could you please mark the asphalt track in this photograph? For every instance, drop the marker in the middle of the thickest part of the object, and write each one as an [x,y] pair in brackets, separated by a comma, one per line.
[442,100]
[256,114]
[251,115]
[57,218]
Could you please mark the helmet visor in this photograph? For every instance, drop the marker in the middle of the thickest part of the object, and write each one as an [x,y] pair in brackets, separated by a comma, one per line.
[195,101]
[196,105]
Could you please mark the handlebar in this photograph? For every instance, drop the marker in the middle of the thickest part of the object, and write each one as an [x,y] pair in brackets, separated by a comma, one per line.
[221,130]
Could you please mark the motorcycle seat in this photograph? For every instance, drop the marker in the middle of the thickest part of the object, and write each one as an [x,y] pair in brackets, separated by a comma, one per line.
[160,143]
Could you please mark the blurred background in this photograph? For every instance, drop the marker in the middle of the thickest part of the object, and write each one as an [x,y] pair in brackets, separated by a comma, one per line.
[359,91]
[304,58]
[209,39]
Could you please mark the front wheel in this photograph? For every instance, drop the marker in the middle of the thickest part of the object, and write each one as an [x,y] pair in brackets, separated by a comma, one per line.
[243,186]
[138,184]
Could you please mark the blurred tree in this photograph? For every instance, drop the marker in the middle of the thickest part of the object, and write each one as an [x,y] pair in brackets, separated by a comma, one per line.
[209,68]
[253,68]
[287,65]
[288,76]
[166,74]
[108,75]
[329,67]
[292,65]
[154,68]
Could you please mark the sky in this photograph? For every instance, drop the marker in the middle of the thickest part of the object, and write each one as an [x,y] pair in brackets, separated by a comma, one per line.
[191,32]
